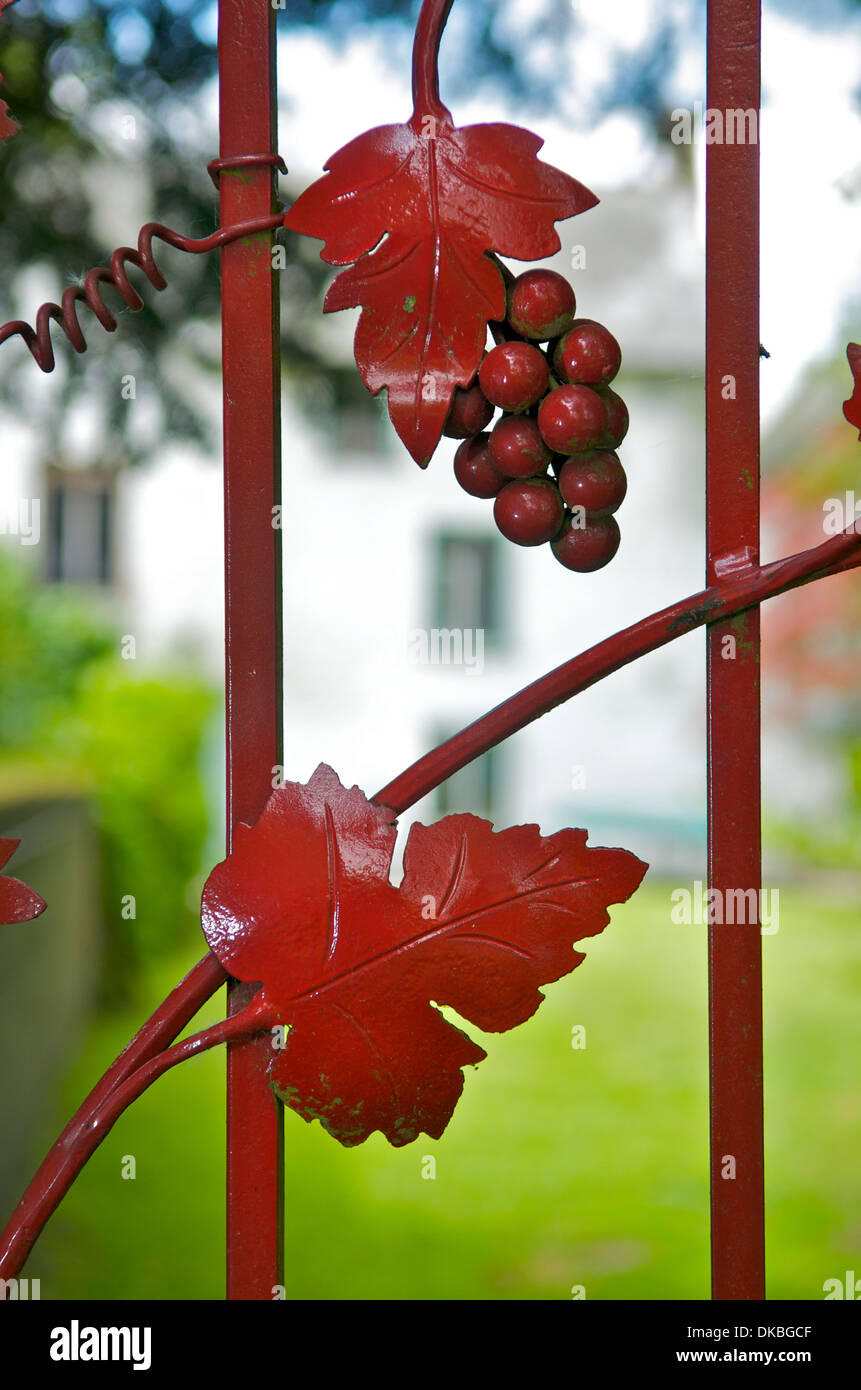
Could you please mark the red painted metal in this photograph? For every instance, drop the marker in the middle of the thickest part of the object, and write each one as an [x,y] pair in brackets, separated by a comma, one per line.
[731,595]
[66,1160]
[18,903]
[732,531]
[59,1168]
[8,127]
[38,339]
[251,374]
[446,197]
[431,178]
[350,963]
[852,407]
[244,161]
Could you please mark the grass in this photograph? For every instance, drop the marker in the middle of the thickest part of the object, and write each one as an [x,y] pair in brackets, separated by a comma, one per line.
[562,1167]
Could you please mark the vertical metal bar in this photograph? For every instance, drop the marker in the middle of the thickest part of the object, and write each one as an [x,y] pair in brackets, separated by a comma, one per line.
[251,372]
[732,526]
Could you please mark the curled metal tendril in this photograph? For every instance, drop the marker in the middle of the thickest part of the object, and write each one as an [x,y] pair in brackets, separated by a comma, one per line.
[38,338]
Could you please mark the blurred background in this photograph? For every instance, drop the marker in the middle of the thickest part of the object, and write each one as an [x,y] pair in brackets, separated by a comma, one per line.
[563,1165]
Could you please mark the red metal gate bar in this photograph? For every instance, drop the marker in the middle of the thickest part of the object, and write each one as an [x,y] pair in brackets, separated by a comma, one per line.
[251,371]
[732,530]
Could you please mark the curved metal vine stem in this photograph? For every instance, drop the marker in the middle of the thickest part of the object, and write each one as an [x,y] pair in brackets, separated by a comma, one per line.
[733,594]
[149,1053]
[92,1124]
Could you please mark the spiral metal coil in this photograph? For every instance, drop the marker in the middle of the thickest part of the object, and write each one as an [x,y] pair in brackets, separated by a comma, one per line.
[65,313]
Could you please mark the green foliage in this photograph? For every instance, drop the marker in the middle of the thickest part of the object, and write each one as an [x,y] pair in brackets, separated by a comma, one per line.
[73,708]
[138,744]
[855,775]
[48,639]
[828,841]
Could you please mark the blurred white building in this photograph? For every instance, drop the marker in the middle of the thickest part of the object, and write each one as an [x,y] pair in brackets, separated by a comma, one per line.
[377,551]
[380,555]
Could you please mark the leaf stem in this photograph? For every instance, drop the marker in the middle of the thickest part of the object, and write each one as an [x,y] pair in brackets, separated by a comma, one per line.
[426,97]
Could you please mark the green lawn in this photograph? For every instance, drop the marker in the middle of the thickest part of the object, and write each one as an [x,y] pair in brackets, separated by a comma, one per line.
[561,1167]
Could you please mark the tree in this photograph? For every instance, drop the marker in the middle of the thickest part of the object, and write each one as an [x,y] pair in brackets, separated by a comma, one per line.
[92,87]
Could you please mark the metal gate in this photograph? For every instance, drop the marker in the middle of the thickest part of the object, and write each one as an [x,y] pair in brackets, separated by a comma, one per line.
[735,586]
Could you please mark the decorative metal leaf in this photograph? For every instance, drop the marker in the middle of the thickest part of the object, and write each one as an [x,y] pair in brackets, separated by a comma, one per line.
[852,407]
[18,903]
[356,966]
[418,208]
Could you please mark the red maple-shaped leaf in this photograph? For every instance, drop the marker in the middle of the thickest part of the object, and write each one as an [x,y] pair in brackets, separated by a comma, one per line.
[18,903]
[355,966]
[419,208]
[852,407]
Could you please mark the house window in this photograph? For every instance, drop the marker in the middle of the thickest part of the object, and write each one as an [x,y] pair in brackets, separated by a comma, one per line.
[467,585]
[80,531]
[474,788]
[362,430]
